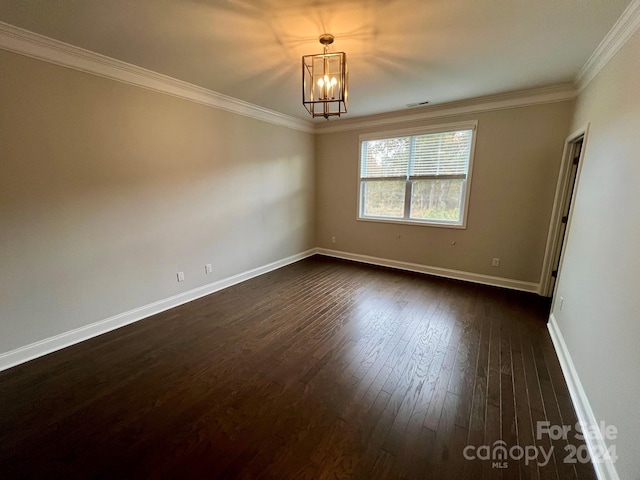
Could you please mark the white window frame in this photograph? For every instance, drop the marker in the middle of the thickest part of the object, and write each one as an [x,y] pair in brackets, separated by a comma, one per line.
[407,132]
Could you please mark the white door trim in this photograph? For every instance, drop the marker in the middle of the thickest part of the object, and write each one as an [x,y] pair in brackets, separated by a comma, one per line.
[558,203]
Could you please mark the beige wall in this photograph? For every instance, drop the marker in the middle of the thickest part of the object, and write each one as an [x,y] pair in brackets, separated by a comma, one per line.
[107,190]
[600,275]
[517,159]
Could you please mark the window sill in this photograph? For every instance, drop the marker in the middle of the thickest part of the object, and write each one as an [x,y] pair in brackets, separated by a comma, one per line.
[461,226]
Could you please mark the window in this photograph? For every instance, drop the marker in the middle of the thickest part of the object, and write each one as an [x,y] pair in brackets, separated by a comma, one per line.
[417,176]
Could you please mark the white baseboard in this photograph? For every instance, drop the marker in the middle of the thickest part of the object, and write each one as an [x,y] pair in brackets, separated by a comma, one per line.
[66,339]
[57,342]
[437,271]
[605,470]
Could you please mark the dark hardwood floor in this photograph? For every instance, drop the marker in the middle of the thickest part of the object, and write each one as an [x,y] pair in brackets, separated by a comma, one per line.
[322,369]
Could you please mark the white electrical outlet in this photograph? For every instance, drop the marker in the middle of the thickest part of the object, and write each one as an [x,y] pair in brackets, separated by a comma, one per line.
[181,276]
[333,239]
[495,262]
[208,268]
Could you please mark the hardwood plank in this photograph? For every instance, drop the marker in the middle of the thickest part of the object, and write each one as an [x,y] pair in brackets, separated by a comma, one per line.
[526,435]
[477,415]
[509,433]
[468,370]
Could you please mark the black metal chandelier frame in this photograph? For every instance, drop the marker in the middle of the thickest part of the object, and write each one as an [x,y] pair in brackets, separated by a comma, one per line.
[325,81]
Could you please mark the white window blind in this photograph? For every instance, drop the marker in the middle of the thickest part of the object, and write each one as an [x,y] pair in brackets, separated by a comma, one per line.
[388,158]
[439,154]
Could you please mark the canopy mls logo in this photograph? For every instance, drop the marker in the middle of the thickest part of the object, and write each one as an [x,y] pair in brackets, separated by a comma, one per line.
[499,453]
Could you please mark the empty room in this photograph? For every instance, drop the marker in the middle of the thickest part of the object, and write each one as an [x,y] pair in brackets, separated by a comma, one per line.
[320,239]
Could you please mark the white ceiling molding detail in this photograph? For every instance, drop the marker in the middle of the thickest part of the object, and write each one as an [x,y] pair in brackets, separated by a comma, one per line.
[43,48]
[37,46]
[626,26]
[53,51]
[558,93]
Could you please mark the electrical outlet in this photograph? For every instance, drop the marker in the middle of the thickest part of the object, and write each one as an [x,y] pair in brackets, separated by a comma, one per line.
[333,239]
[181,276]
[495,262]
[208,268]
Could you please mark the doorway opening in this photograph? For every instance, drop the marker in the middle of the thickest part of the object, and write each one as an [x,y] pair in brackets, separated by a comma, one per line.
[561,214]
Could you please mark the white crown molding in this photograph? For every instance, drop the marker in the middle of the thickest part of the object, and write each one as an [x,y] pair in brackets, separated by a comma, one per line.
[436,271]
[37,46]
[66,339]
[622,30]
[596,445]
[523,98]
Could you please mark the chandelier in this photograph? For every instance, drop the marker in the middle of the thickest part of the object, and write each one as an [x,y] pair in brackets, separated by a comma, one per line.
[324,81]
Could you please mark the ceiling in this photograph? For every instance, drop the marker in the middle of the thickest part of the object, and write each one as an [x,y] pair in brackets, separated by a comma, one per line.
[399,51]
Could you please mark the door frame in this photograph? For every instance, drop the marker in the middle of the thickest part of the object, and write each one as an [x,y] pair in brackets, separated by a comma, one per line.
[562,190]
